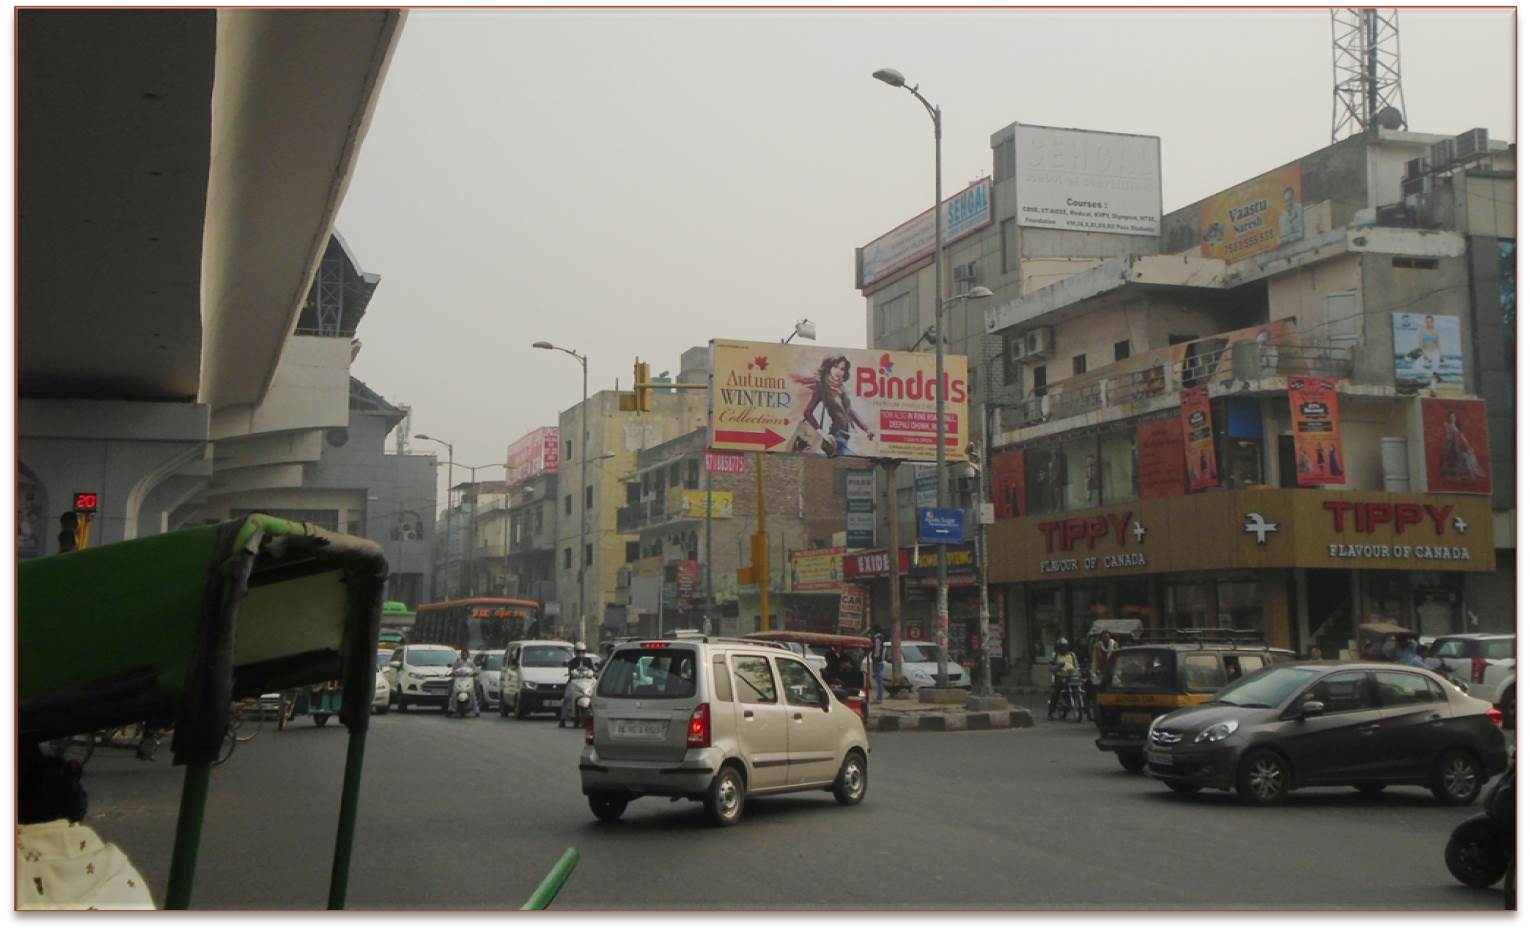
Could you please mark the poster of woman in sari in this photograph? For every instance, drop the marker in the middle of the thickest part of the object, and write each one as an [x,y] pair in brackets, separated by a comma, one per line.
[1456,446]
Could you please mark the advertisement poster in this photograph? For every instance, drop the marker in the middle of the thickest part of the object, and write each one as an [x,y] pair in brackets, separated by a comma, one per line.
[1007,473]
[816,570]
[1315,429]
[852,607]
[1072,179]
[1268,337]
[687,578]
[822,401]
[860,508]
[1255,217]
[1160,458]
[1200,443]
[692,503]
[534,454]
[1426,351]
[967,211]
[1456,446]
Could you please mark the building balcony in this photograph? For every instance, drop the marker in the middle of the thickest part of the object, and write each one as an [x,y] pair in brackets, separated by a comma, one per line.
[679,507]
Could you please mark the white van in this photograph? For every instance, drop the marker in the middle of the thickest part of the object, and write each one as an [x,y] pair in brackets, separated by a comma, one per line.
[533,676]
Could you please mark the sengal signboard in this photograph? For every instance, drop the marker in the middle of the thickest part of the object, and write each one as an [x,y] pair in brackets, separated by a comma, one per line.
[1089,182]
[533,455]
[822,401]
[965,212]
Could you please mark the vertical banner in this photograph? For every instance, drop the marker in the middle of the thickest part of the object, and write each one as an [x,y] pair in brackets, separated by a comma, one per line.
[1007,473]
[925,495]
[860,508]
[1315,430]
[1160,459]
[1200,443]
[1456,446]
[852,606]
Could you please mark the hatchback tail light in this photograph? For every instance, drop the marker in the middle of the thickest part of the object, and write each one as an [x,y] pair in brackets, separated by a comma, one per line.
[699,733]
[1479,668]
[589,728]
[1495,715]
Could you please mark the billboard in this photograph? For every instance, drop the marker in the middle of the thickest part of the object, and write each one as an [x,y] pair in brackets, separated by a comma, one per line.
[816,570]
[1456,446]
[1073,179]
[1254,217]
[822,401]
[965,212]
[1426,352]
[692,503]
[533,455]
[1200,441]
[1315,431]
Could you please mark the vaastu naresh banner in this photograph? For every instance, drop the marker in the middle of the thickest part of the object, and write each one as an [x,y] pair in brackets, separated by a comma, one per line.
[1253,217]
[822,401]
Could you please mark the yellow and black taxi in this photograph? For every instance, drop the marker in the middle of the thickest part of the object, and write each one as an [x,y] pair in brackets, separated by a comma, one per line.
[1145,681]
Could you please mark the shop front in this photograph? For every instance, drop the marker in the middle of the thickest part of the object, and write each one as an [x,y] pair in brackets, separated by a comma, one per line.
[1292,566]
[919,583]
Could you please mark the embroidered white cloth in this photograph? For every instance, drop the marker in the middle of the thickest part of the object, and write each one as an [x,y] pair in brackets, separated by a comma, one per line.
[65,865]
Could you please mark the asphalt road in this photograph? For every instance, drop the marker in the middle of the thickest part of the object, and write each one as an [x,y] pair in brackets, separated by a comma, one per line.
[472,814]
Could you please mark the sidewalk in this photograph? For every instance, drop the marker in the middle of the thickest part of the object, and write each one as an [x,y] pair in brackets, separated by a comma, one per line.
[913,715]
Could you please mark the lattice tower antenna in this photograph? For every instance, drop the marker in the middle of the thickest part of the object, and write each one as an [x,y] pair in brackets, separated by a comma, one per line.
[1367,72]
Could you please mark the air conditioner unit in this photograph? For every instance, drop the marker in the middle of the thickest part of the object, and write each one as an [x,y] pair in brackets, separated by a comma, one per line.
[1442,154]
[1417,168]
[1415,186]
[1017,348]
[966,272]
[1472,143]
[1038,343]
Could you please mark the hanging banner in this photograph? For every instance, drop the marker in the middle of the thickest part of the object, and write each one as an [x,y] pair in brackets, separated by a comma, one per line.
[1254,217]
[852,606]
[1426,353]
[1456,446]
[821,401]
[860,508]
[1315,430]
[1160,458]
[1200,442]
[1007,473]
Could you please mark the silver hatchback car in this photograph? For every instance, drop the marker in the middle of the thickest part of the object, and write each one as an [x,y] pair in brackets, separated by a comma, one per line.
[716,720]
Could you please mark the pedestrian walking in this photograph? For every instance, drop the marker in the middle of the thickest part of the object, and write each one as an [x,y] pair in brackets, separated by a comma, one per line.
[876,660]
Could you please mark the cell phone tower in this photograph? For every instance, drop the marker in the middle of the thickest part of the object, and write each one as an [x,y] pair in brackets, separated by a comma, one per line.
[1367,72]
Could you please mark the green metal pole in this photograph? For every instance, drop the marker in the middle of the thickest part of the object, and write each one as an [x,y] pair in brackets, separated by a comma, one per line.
[349,798]
[548,889]
[188,835]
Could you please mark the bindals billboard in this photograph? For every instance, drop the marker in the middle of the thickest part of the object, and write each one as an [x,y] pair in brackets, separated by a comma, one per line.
[820,401]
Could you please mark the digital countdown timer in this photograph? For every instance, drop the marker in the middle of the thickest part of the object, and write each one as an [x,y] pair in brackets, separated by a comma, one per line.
[86,502]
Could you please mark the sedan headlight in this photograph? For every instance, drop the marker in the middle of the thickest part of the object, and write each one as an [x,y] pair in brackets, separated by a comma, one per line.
[921,677]
[1218,732]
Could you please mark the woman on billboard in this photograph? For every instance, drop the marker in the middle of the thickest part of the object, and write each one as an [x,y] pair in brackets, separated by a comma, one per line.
[1459,460]
[829,415]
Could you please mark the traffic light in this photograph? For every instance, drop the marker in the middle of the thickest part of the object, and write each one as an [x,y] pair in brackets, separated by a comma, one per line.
[68,534]
[640,385]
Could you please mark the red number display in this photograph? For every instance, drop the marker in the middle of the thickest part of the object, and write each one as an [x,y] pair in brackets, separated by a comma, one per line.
[86,502]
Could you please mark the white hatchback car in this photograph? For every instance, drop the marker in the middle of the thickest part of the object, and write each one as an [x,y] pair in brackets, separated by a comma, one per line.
[716,720]
[489,663]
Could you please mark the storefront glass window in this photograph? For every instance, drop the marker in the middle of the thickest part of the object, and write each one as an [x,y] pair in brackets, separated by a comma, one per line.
[1082,476]
[1046,617]
[1118,467]
[1134,599]
[1239,605]
[1044,480]
[1090,603]
[1186,605]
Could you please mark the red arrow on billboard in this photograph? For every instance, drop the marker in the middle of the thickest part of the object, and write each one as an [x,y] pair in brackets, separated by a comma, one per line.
[766,438]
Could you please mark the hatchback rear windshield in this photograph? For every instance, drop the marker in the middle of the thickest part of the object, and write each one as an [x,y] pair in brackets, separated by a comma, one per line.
[428,657]
[1143,669]
[546,656]
[492,662]
[638,674]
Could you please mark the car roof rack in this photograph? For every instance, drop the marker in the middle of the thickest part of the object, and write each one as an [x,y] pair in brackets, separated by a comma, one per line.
[1204,637]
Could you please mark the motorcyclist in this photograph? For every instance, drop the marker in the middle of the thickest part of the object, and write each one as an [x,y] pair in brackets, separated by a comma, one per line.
[464,667]
[1064,665]
[580,661]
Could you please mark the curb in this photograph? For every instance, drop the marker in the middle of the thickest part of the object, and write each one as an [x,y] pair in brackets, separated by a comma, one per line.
[958,721]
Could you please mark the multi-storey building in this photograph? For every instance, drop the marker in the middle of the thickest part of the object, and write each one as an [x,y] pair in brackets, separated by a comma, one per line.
[1373,278]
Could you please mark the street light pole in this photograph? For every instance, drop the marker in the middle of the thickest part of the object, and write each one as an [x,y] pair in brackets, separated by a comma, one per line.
[584,461]
[942,605]
[450,459]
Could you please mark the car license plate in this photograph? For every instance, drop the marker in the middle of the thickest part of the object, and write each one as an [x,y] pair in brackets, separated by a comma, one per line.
[1163,758]
[1136,716]
[630,728]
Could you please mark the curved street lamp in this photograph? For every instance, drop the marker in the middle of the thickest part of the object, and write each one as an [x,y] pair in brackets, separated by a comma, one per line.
[584,437]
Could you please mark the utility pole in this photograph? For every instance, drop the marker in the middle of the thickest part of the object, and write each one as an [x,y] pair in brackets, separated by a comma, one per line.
[894,568]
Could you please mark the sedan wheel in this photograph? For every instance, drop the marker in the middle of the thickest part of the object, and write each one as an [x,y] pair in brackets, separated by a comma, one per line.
[1263,778]
[725,798]
[1457,779]
[1132,761]
[850,785]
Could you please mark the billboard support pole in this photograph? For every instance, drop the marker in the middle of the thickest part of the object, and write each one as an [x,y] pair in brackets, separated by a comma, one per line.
[761,548]
[895,598]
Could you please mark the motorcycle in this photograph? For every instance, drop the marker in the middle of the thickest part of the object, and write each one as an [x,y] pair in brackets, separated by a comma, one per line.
[582,686]
[1069,699]
[464,682]
[1481,849]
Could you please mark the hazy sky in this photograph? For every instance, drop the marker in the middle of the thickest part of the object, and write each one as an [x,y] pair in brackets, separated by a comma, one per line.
[636,183]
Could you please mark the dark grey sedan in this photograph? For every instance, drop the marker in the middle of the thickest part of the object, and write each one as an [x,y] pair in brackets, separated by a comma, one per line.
[1364,725]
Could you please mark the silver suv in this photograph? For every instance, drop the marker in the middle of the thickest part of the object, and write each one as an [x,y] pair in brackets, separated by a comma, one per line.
[716,720]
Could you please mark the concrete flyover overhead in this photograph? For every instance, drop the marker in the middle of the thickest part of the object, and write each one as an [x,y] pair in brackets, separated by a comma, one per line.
[178,177]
